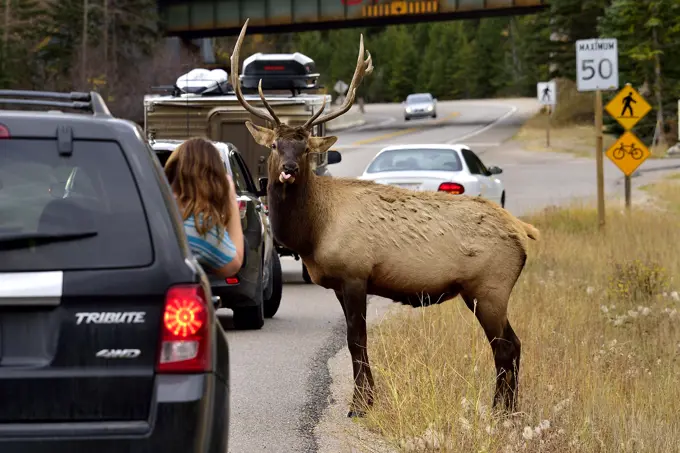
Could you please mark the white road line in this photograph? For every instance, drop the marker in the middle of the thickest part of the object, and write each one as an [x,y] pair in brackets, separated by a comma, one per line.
[484,145]
[376,146]
[511,112]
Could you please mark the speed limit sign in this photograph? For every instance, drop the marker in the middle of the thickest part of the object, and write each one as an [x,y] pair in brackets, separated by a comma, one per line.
[597,64]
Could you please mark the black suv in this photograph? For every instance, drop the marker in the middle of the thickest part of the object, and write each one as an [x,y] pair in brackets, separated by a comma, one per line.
[255,292]
[109,339]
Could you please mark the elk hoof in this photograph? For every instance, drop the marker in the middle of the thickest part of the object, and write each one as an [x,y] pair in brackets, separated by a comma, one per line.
[356,413]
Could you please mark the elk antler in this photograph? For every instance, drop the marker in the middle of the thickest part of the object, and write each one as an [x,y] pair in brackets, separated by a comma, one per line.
[236,83]
[364,67]
[309,123]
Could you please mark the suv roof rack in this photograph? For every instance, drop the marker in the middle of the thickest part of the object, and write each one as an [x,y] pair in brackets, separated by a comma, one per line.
[175,91]
[92,101]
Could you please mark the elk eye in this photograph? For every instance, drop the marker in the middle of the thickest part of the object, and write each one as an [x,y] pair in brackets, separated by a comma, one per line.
[274,145]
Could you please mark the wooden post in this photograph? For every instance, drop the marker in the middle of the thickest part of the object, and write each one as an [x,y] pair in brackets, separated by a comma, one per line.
[599,157]
[627,190]
[547,128]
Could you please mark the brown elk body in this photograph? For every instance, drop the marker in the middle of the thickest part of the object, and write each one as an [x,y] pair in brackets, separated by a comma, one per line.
[418,248]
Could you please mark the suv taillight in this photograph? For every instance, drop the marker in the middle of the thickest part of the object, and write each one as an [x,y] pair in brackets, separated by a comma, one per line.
[242,208]
[4,132]
[185,331]
[451,187]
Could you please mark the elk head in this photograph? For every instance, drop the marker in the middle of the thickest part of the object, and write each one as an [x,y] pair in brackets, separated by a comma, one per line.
[292,145]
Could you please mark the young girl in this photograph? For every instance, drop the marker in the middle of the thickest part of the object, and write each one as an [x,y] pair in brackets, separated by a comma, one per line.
[206,197]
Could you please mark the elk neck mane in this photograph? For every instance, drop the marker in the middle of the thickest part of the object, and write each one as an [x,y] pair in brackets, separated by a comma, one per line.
[298,212]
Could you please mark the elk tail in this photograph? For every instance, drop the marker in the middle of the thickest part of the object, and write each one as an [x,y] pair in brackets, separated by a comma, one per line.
[530,230]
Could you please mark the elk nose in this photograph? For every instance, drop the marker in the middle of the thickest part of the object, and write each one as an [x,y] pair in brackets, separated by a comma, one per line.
[290,168]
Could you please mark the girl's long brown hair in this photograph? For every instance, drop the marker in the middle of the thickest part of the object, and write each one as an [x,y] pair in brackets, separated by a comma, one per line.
[198,178]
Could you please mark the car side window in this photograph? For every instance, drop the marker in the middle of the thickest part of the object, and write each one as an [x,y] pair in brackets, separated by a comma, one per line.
[247,176]
[480,165]
[239,179]
[471,162]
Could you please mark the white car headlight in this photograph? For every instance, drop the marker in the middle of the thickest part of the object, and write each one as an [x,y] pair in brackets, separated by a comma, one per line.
[429,108]
[408,109]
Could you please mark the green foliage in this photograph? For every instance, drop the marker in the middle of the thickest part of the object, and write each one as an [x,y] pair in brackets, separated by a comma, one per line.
[42,47]
[646,31]
[452,60]
[44,40]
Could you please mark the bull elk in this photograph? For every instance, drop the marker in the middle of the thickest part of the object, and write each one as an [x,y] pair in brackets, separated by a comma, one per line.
[417,248]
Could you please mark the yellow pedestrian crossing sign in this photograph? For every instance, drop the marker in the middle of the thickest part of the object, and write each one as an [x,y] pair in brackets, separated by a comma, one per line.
[628,107]
[628,153]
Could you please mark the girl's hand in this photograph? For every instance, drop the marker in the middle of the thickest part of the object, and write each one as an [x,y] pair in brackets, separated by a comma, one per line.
[234,201]
[232,187]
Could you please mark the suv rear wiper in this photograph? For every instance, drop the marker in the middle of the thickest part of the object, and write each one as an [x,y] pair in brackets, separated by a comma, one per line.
[26,239]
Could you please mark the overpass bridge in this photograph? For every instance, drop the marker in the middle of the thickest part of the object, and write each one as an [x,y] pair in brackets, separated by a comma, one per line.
[192,19]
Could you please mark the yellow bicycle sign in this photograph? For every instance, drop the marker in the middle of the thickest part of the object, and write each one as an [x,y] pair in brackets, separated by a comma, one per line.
[628,153]
[633,151]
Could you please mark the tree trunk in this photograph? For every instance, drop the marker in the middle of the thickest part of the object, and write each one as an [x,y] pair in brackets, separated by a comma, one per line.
[114,53]
[5,35]
[659,132]
[516,69]
[106,48]
[83,56]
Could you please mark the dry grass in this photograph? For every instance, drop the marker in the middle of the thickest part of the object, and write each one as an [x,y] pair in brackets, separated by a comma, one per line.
[577,139]
[598,317]
[667,192]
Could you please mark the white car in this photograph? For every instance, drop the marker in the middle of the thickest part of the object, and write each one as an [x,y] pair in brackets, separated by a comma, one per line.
[448,168]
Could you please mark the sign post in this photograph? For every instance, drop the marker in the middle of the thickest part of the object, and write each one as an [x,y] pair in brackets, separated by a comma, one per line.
[628,107]
[597,69]
[340,87]
[547,95]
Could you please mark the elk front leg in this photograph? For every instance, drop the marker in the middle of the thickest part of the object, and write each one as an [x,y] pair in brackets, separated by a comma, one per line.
[353,301]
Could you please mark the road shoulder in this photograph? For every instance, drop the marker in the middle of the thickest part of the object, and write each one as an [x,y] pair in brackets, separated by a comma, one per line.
[335,432]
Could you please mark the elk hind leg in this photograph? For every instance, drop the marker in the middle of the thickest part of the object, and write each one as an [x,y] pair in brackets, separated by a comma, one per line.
[491,312]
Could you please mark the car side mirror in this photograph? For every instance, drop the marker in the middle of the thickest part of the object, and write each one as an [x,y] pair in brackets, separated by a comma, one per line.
[495,170]
[334,157]
[263,186]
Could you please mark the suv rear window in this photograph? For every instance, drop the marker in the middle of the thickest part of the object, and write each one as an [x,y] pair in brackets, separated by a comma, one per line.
[67,199]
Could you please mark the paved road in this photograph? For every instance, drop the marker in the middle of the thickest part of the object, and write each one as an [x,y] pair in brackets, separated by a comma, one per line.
[279,374]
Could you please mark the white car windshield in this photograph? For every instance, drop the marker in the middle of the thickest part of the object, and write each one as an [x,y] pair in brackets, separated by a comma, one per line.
[418,98]
[416,160]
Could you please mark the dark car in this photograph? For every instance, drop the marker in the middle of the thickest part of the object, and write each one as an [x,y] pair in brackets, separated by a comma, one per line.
[255,292]
[110,342]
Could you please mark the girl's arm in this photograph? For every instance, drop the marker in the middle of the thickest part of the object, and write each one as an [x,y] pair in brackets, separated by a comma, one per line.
[233,237]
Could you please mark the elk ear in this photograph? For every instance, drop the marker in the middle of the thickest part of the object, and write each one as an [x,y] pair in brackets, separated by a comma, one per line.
[262,135]
[320,144]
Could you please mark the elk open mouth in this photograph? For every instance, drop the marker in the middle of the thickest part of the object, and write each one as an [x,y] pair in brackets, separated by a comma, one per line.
[286,178]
